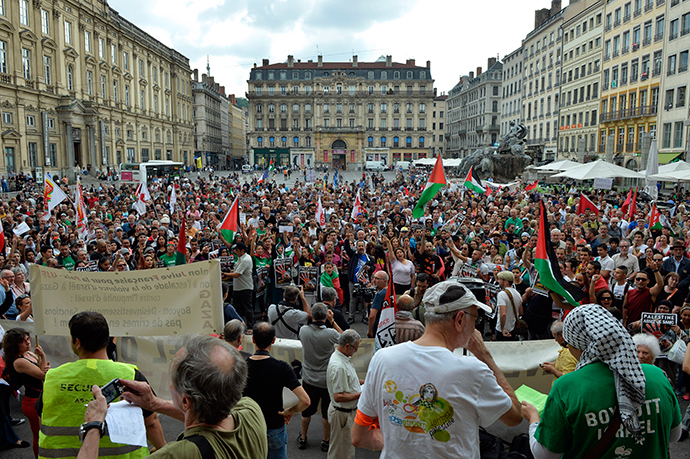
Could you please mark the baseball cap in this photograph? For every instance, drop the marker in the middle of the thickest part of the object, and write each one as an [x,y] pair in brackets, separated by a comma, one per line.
[451,296]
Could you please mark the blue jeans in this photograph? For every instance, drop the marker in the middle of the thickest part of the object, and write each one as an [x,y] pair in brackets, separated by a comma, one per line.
[277,443]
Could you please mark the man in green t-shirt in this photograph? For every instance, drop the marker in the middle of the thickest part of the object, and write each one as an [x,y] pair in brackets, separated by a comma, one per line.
[608,386]
[65,259]
[169,258]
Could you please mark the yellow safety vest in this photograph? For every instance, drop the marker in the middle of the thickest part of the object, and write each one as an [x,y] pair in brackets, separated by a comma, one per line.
[66,391]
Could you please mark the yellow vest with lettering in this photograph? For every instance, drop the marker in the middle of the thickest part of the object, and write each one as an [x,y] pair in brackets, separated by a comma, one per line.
[66,391]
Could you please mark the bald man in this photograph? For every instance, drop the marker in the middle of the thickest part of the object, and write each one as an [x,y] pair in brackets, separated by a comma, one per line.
[406,327]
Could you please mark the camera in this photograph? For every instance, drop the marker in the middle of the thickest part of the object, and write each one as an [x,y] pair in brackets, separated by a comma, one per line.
[364,292]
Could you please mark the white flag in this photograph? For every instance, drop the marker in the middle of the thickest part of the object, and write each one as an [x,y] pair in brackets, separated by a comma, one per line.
[320,217]
[357,208]
[52,195]
[143,197]
[173,200]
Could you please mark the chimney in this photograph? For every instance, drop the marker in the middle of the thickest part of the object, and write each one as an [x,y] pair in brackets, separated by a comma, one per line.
[479,71]
[555,7]
[491,63]
[291,61]
[264,63]
[355,63]
[203,78]
[540,17]
[222,90]
[216,86]
[410,62]
[320,61]
[471,75]
[196,75]
[428,64]
[389,61]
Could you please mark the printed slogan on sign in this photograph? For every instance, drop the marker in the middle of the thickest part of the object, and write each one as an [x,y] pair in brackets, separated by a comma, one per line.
[157,302]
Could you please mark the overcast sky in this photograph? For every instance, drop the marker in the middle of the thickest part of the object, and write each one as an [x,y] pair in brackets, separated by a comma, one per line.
[455,35]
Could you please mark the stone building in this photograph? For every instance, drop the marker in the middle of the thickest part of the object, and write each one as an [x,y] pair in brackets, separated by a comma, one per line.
[438,129]
[634,36]
[673,113]
[511,104]
[541,79]
[583,30]
[238,133]
[209,101]
[79,84]
[339,114]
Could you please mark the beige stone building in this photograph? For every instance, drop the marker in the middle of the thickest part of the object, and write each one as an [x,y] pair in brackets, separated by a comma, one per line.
[339,114]
[438,128]
[79,84]
[583,30]
[238,133]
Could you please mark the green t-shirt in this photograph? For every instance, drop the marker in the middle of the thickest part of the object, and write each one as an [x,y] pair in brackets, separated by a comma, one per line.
[168,260]
[580,406]
[68,262]
[249,439]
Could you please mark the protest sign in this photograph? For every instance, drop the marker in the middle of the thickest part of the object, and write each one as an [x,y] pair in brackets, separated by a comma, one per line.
[91,267]
[538,287]
[157,302]
[21,229]
[308,278]
[283,268]
[603,183]
[262,278]
[657,323]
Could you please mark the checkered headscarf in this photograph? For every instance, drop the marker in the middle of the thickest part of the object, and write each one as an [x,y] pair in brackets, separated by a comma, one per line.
[592,329]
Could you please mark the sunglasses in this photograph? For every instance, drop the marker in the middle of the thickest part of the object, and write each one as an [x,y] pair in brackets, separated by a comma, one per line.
[641,279]
[606,298]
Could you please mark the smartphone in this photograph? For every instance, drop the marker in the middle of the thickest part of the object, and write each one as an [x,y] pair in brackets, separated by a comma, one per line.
[112,390]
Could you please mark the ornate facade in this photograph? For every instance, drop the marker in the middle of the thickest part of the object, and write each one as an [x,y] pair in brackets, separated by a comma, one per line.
[80,85]
[339,114]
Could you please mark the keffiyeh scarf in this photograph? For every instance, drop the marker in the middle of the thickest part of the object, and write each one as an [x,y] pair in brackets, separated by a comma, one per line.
[592,329]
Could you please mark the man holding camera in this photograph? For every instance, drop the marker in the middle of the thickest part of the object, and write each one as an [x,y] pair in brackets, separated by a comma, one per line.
[287,316]
[67,389]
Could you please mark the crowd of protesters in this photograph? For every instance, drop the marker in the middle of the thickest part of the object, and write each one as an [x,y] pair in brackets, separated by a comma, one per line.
[613,255]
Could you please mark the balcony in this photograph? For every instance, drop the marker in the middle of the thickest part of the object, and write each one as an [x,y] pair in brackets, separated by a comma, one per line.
[658,37]
[625,50]
[646,41]
[409,128]
[619,148]
[673,36]
[660,2]
[615,54]
[637,12]
[616,23]
[649,6]
[644,76]
[626,18]
[629,147]
[635,47]
[607,57]
[601,149]
[4,78]
[607,28]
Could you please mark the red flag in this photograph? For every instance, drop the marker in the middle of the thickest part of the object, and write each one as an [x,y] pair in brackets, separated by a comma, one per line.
[633,207]
[181,255]
[531,186]
[585,203]
[2,239]
[626,203]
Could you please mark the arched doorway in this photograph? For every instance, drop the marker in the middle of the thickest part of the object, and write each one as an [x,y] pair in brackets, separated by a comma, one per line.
[339,154]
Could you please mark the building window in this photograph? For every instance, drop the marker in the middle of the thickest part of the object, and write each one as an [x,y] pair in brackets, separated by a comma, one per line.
[155,103]
[295,141]
[666,142]
[260,142]
[680,98]
[678,134]
[87,41]
[53,155]
[125,60]
[408,142]
[46,69]
[24,12]
[101,48]
[396,142]
[68,32]
[89,82]
[26,63]
[127,95]
[144,154]
[383,142]
[31,121]
[370,141]
[45,22]
[33,154]
[103,86]
[115,90]
[422,108]
[421,142]
[6,118]
[142,100]
[70,78]
[3,57]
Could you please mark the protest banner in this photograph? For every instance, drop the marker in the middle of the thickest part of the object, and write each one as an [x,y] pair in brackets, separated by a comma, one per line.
[308,278]
[283,268]
[158,302]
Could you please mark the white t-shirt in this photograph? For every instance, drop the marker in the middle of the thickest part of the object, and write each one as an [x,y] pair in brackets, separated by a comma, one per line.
[502,299]
[460,394]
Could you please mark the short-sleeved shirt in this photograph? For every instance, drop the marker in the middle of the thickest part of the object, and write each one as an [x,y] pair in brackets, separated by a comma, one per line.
[265,383]
[639,301]
[431,401]
[293,318]
[576,416]
[502,299]
[342,378]
[318,343]
[244,266]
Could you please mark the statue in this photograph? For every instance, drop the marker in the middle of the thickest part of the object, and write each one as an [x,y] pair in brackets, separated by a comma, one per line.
[514,141]
[503,163]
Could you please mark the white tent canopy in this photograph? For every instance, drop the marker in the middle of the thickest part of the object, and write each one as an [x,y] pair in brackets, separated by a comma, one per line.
[425,162]
[675,176]
[598,169]
[669,168]
[562,165]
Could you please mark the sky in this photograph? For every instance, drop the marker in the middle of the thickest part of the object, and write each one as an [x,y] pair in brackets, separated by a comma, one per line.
[457,36]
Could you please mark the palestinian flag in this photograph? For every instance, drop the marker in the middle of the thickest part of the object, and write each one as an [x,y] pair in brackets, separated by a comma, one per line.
[437,180]
[531,186]
[181,254]
[230,224]
[655,218]
[547,265]
[473,182]
[271,167]
[586,204]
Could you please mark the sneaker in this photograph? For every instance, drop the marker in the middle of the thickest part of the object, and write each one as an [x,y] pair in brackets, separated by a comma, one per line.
[324,446]
[301,442]
[350,320]
[683,435]
[17,422]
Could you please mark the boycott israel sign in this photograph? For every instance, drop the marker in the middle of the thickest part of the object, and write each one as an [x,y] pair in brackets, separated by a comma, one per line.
[154,302]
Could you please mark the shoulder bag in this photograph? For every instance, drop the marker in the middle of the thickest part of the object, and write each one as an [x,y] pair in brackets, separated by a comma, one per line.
[521,326]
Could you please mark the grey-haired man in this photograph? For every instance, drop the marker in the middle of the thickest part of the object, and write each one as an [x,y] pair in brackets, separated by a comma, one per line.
[421,388]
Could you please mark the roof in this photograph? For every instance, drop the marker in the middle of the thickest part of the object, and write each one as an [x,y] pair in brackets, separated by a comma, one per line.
[338,66]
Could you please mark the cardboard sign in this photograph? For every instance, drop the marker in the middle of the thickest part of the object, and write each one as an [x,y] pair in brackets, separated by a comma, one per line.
[285,229]
[283,268]
[21,229]
[656,323]
[261,277]
[538,287]
[603,183]
[309,278]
